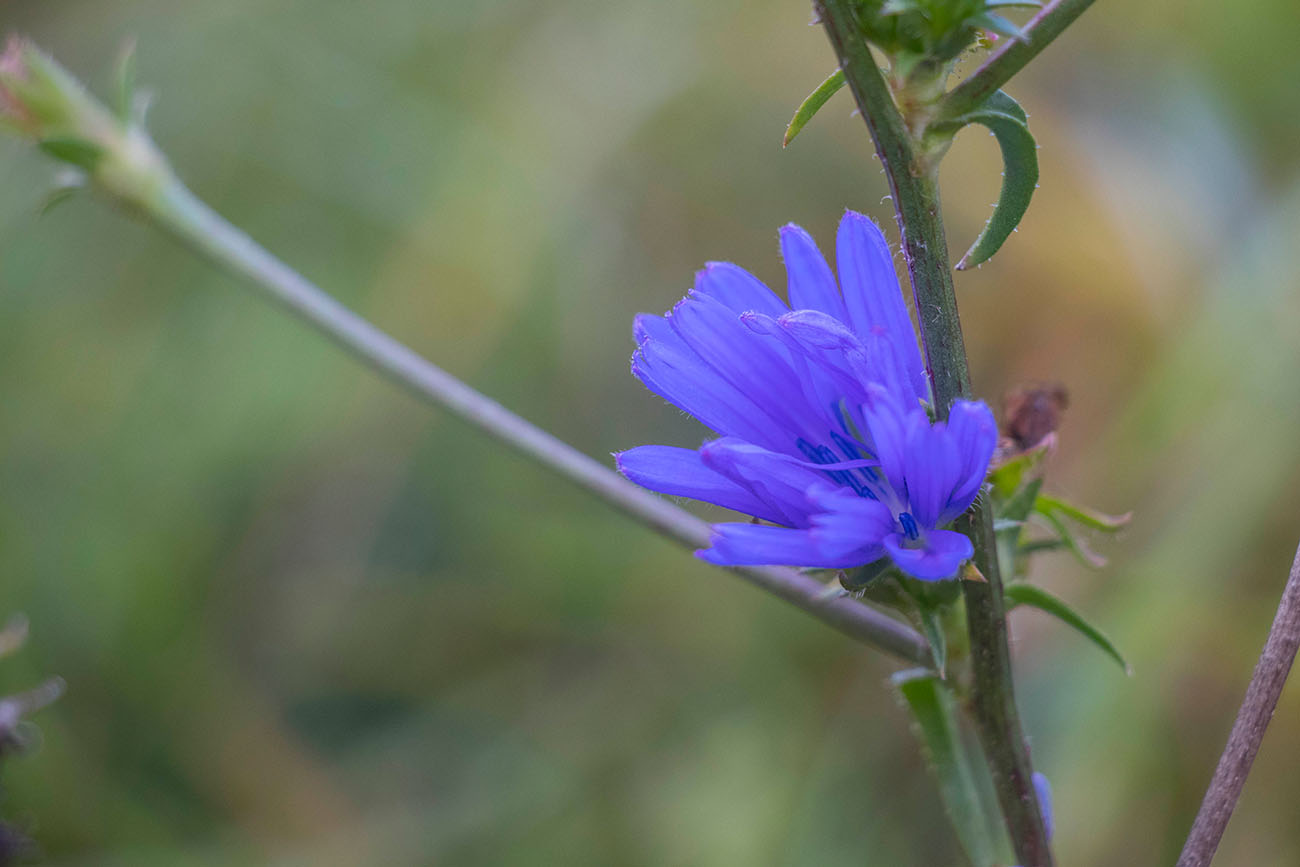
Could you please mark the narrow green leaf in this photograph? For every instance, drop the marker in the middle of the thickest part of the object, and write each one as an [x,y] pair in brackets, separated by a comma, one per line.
[1003,117]
[1022,502]
[1077,546]
[1008,475]
[812,104]
[124,83]
[1087,517]
[78,152]
[57,196]
[1038,546]
[1012,514]
[935,713]
[1019,180]
[932,628]
[1036,597]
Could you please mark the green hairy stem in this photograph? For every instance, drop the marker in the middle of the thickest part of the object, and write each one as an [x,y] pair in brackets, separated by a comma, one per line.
[916,201]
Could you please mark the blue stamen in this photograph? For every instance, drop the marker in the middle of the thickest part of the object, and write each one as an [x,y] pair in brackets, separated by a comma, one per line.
[824,455]
[909,526]
[854,452]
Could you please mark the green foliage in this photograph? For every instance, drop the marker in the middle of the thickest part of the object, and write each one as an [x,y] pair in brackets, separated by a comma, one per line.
[812,104]
[937,31]
[934,711]
[1006,120]
[85,155]
[124,95]
[300,616]
[1020,593]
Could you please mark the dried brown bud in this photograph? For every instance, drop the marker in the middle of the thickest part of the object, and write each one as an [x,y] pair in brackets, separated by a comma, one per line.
[1030,413]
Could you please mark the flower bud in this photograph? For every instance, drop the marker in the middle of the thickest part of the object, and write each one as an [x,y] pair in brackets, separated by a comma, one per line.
[42,102]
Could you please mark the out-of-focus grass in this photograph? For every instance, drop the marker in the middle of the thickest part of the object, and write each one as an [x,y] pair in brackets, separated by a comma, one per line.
[305,621]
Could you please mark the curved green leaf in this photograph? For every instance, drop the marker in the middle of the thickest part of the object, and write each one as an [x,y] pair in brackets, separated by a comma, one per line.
[1078,547]
[1087,517]
[1003,117]
[812,104]
[1037,597]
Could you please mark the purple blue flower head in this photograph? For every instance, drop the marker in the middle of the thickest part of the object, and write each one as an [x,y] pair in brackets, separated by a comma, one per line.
[821,410]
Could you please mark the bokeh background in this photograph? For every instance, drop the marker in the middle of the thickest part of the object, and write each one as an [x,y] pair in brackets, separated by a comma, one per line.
[305,620]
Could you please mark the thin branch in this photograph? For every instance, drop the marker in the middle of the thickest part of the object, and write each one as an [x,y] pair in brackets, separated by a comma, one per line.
[1011,57]
[925,249]
[183,215]
[1247,732]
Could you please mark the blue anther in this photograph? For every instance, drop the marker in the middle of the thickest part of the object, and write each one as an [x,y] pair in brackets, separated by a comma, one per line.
[909,526]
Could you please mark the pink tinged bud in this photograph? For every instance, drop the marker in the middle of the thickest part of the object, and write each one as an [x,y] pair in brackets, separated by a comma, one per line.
[12,71]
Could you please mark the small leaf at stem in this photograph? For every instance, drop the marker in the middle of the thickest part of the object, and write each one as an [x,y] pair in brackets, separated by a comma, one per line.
[935,712]
[124,83]
[1077,546]
[1008,475]
[1087,517]
[1003,102]
[1011,515]
[76,151]
[812,104]
[1036,546]
[1036,597]
[1003,117]
[1022,502]
[57,196]
[932,629]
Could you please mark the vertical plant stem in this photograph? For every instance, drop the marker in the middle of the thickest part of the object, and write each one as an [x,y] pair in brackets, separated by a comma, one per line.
[916,203]
[1248,731]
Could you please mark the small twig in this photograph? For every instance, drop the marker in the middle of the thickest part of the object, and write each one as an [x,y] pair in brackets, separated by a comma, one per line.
[114,155]
[1247,732]
[183,215]
[1011,57]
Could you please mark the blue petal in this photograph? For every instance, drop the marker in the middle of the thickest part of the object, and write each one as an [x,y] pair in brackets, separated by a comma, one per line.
[675,373]
[812,285]
[943,554]
[737,289]
[975,434]
[933,468]
[681,473]
[874,298]
[1043,790]
[756,367]
[647,326]
[827,371]
[890,428]
[850,527]
[756,545]
[779,481]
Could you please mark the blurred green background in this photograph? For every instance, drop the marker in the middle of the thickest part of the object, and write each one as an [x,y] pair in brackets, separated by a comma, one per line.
[305,620]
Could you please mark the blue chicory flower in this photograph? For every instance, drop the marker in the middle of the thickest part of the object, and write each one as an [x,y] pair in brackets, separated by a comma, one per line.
[821,410]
